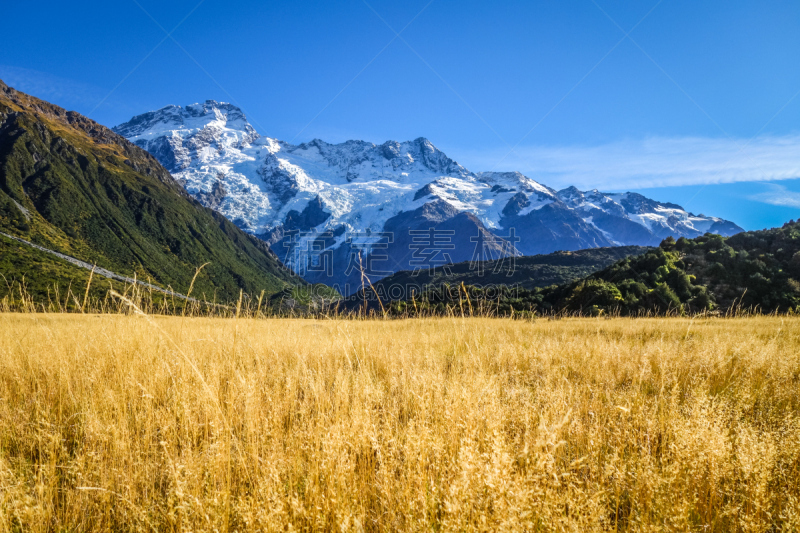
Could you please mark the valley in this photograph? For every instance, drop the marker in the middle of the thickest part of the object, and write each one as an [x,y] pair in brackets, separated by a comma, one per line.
[383,266]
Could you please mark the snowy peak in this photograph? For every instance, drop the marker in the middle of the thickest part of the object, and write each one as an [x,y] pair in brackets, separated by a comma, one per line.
[515,181]
[590,200]
[638,204]
[423,151]
[168,117]
[216,109]
[178,136]
[353,160]
[570,195]
[659,218]
[185,120]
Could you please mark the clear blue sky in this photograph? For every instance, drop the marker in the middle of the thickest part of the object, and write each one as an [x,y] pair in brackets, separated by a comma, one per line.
[698,93]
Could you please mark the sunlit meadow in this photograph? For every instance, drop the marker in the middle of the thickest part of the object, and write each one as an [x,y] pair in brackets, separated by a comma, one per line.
[134,423]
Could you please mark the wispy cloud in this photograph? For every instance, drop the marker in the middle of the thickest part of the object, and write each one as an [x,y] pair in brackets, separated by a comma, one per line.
[49,87]
[67,93]
[778,195]
[653,162]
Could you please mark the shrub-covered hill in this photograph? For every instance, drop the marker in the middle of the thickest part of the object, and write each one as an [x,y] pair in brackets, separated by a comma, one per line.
[757,270]
[74,186]
[528,272]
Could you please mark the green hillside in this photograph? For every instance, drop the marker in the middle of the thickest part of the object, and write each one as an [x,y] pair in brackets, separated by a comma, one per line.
[29,273]
[755,270]
[74,186]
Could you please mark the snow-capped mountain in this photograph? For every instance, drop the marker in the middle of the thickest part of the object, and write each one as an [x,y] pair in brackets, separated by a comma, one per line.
[396,206]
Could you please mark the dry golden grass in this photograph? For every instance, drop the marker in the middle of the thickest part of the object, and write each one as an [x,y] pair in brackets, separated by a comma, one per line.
[124,423]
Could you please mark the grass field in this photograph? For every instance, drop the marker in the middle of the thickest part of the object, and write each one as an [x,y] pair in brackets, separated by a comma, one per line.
[128,423]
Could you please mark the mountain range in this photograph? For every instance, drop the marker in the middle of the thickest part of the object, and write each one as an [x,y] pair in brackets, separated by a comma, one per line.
[333,211]
[72,186]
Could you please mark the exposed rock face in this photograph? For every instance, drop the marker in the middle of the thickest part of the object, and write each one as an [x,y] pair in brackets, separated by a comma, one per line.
[339,199]
[312,216]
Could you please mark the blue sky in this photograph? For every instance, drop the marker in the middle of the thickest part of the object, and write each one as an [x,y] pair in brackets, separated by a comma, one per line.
[694,103]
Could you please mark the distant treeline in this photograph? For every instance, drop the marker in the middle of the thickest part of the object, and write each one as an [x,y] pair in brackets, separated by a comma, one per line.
[756,271]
